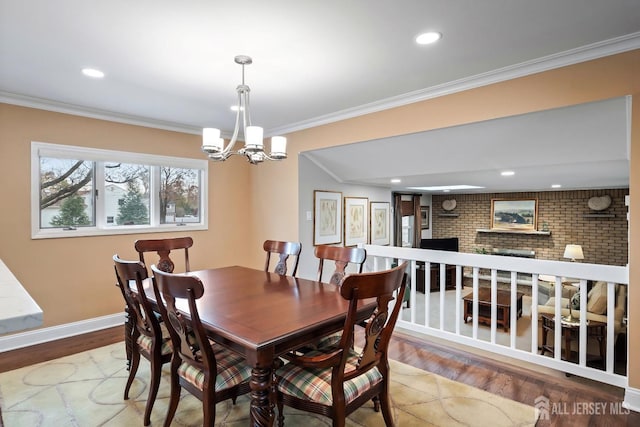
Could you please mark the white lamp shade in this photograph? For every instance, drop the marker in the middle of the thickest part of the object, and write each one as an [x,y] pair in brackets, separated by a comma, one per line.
[211,139]
[573,252]
[253,138]
[278,145]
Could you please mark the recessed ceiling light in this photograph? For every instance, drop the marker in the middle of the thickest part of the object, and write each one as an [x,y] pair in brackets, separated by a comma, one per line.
[236,108]
[428,38]
[507,173]
[556,186]
[396,181]
[92,72]
[446,187]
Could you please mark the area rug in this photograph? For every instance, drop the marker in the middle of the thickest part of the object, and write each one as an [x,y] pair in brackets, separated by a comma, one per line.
[86,389]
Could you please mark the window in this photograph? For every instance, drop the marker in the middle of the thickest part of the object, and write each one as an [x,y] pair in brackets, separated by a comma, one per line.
[80,191]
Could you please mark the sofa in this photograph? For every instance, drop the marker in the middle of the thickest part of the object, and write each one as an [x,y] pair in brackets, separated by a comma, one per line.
[596,309]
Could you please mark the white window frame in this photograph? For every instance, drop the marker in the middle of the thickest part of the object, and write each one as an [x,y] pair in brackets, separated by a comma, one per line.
[44,149]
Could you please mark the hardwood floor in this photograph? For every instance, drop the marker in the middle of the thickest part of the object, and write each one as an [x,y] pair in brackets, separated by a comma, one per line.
[570,402]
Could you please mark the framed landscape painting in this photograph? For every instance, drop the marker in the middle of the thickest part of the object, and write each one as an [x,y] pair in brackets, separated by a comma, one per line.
[380,220]
[327,218]
[356,220]
[514,215]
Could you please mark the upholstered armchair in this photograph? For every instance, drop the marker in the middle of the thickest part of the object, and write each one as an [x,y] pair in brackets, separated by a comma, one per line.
[596,307]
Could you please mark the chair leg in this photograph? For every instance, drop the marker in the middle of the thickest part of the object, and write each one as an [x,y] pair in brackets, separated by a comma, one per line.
[208,409]
[376,403]
[156,372]
[386,407]
[174,399]
[133,368]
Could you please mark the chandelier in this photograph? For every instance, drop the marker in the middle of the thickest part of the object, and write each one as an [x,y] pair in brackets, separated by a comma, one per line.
[253,150]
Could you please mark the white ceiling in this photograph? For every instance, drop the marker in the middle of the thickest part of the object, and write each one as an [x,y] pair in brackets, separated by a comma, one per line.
[170,64]
[579,147]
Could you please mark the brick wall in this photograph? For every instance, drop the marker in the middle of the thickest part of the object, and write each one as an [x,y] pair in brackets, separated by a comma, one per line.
[603,240]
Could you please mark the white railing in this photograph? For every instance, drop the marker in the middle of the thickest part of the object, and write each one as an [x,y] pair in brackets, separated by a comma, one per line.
[417,317]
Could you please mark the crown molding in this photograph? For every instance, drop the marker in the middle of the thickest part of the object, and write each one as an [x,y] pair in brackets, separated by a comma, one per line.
[586,53]
[94,113]
[582,54]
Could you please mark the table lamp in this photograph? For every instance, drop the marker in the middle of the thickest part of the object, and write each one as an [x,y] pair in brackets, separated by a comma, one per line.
[573,252]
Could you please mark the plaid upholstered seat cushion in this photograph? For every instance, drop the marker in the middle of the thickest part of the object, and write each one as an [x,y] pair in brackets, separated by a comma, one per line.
[315,384]
[232,370]
[145,342]
[328,341]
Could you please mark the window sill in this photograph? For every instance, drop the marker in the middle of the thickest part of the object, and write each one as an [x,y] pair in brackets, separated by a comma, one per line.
[89,232]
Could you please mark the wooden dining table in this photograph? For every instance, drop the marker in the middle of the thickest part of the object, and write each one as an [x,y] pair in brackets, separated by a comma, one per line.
[263,315]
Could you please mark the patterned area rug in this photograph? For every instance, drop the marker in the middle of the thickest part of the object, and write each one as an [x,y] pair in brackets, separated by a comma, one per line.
[86,389]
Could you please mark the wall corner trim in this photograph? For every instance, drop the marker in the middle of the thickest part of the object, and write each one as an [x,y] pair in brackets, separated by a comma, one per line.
[39,336]
[631,399]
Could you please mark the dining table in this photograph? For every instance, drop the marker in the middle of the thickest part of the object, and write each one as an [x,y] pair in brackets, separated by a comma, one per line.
[263,315]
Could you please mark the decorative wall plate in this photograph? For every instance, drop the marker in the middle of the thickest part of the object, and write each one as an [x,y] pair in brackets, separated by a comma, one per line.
[449,205]
[599,203]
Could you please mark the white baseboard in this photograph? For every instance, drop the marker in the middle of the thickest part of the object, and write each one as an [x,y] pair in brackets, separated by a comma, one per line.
[39,336]
[631,399]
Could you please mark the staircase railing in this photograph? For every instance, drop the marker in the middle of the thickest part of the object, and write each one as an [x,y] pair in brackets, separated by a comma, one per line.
[513,275]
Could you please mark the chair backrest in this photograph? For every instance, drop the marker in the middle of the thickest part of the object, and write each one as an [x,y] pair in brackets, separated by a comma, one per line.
[380,285]
[189,339]
[342,257]
[163,247]
[284,251]
[139,307]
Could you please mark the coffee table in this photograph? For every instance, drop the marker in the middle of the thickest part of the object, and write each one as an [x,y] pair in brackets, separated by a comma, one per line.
[503,304]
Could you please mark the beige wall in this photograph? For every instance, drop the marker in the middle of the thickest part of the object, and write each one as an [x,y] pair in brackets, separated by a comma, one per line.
[72,278]
[600,79]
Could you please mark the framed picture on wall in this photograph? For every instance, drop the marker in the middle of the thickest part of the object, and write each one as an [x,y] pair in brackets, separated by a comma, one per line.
[380,220]
[515,215]
[327,218]
[356,222]
[424,217]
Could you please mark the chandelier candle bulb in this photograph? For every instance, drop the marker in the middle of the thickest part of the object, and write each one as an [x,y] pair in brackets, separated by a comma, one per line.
[278,146]
[211,140]
[254,140]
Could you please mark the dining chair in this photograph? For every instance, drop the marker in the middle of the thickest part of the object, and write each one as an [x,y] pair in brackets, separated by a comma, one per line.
[342,258]
[145,337]
[337,382]
[163,248]
[205,369]
[284,250]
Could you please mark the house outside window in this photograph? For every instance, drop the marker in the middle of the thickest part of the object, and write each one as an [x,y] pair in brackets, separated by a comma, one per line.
[78,191]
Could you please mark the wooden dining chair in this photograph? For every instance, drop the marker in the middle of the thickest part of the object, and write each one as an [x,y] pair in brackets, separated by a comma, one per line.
[342,258]
[145,336]
[284,250]
[163,248]
[335,383]
[205,369]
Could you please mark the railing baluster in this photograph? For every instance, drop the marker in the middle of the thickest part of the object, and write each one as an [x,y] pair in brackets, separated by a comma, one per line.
[582,347]
[513,312]
[494,304]
[611,311]
[474,311]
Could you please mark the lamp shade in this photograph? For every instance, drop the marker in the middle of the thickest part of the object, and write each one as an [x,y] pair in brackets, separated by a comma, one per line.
[573,252]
